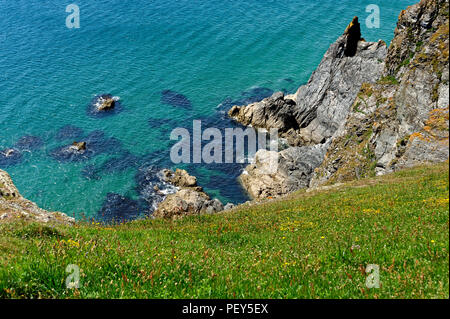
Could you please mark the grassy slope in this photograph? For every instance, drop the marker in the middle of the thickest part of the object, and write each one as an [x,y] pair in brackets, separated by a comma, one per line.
[297,247]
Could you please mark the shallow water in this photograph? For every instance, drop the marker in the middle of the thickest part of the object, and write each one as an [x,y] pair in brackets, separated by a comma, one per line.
[169,62]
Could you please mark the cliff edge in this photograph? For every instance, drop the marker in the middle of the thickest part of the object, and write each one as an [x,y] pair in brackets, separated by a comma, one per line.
[366,110]
[14,206]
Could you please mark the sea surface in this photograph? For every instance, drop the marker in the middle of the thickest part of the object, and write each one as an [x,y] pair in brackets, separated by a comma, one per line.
[168,62]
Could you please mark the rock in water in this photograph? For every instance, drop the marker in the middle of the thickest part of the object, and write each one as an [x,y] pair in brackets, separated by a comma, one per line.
[92,145]
[29,143]
[78,146]
[10,157]
[106,104]
[175,99]
[189,199]
[180,178]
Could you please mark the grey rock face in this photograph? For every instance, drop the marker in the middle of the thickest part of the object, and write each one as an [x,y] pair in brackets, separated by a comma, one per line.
[404,118]
[276,112]
[320,107]
[324,102]
[309,118]
[278,173]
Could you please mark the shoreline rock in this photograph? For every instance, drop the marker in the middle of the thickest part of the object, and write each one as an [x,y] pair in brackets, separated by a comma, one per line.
[13,206]
[189,199]
[274,174]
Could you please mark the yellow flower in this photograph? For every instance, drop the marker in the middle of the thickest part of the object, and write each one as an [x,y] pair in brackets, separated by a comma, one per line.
[323,237]
[432,241]
[73,243]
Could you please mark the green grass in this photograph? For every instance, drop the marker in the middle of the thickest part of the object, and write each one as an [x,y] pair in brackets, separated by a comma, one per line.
[308,245]
[390,79]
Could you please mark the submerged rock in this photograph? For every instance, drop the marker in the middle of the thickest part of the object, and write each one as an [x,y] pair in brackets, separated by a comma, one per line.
[69,132]
[118,209]
[175,99]
[29,143]
[113,165]
[10,157]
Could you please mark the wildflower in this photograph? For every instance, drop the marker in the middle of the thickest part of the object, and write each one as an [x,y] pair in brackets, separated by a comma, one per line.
[73,243]
[323,237]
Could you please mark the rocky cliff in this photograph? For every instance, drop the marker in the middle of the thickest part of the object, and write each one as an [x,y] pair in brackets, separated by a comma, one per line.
[403,119]
[314,113]
[366,110]
[14,206]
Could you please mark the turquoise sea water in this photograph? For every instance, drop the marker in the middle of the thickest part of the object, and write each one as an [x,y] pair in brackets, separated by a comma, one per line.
[209,51]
